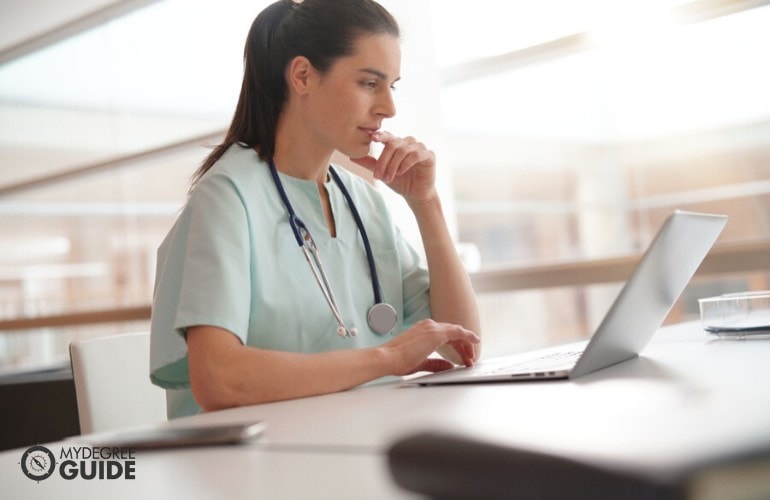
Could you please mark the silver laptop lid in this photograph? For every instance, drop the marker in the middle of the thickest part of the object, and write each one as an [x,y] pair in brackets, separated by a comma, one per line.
[661,276]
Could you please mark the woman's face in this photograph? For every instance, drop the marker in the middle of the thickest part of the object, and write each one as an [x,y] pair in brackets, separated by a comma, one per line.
[355,95]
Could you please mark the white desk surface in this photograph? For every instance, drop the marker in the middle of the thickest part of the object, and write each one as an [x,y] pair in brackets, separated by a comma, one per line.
[689,395]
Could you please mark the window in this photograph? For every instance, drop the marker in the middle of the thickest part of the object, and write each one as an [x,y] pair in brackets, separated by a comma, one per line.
[574,137]
[565,130]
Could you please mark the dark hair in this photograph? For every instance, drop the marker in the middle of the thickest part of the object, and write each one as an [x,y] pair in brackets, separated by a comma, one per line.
[322,31]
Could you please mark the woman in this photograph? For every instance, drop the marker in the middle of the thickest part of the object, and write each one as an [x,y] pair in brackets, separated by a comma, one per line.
[238,318]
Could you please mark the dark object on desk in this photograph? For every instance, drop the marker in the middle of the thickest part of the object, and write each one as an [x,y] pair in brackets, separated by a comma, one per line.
[446,467]
[37,407]
[453,468]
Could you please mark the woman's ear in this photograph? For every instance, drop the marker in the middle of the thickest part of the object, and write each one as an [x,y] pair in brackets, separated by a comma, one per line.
[301,75]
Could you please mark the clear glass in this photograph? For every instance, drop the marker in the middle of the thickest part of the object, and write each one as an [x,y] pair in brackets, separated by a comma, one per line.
[740,314]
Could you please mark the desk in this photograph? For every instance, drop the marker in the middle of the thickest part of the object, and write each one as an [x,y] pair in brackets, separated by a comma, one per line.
[689,395]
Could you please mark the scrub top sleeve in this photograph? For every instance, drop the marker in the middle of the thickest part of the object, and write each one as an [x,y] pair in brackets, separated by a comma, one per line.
[216,282]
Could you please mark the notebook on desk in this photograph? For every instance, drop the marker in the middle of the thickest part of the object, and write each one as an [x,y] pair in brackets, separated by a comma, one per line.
[643,303]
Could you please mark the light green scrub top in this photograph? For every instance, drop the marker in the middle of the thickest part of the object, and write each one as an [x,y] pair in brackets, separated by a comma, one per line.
[231,261]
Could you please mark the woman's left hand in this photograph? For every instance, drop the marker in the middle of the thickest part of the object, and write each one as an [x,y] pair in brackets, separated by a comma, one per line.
[405,165]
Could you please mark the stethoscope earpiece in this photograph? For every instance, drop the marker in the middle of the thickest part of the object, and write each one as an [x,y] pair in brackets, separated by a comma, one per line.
[343,331]
[382,317]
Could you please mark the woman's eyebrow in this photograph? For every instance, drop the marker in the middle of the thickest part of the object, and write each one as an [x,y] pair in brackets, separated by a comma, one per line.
[379,74]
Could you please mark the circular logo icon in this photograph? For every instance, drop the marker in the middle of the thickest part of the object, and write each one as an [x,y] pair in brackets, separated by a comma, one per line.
[38,463]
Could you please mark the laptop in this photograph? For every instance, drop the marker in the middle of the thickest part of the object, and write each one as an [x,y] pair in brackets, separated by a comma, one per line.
[643,303]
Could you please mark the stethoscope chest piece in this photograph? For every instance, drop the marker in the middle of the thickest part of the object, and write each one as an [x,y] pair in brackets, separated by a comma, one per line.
[382,318]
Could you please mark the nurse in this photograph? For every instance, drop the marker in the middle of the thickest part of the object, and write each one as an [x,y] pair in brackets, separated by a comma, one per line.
[238,316]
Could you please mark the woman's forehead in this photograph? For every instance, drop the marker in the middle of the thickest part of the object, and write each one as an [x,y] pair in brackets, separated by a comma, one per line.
[379,55]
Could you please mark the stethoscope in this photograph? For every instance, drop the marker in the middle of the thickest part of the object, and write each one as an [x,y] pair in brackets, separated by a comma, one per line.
[381,317]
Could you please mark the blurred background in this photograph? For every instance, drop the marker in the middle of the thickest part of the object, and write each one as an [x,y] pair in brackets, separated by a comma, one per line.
[566,131]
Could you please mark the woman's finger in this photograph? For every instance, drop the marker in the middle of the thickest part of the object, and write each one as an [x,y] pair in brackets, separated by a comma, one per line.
[434,365]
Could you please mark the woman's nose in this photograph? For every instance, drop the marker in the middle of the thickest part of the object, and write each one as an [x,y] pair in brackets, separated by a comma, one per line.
[387,106]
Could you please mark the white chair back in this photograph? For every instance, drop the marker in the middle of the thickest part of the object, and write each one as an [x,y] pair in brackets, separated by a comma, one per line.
[112,383]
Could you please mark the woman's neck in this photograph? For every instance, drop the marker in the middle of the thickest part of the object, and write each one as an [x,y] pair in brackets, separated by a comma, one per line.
[306,169]
[297,155]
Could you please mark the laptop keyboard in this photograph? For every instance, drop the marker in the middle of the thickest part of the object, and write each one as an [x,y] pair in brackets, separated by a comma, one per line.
[558,359]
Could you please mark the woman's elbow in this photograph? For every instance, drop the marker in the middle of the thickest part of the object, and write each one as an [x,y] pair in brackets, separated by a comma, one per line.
[211,391]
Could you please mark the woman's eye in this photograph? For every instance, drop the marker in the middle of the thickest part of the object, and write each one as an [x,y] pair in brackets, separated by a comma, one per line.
[374,85]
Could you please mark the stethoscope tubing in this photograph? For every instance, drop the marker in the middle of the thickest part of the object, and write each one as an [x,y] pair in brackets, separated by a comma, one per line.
[364,236]
[310,250]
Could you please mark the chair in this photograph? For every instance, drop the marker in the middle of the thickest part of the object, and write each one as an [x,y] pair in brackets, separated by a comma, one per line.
[112,383]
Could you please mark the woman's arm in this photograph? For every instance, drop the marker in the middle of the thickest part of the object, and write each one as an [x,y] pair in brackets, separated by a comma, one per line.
[409,168]
[224,373]
[451,294]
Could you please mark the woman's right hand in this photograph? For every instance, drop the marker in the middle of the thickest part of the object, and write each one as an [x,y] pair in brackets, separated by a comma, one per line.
[410,351]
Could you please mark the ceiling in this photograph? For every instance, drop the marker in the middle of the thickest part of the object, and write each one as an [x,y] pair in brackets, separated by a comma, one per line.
[27,25]
[73,135]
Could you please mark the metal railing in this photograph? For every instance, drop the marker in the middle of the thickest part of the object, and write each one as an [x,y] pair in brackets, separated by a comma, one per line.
[723,259]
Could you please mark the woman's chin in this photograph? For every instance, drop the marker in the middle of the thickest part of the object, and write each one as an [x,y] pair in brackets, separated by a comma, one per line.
[356,152]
